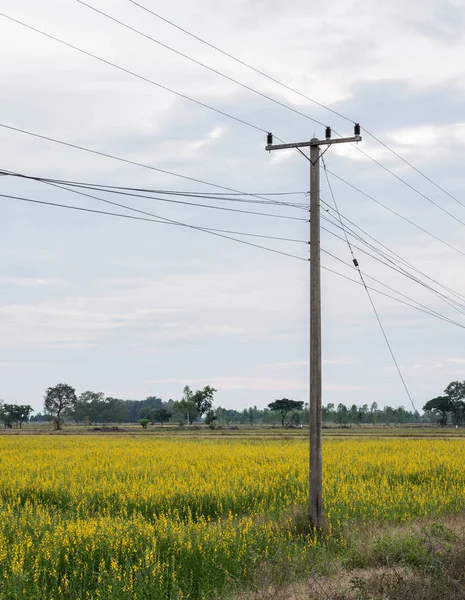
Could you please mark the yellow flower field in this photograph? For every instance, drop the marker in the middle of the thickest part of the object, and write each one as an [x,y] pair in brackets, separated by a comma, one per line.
[154,518]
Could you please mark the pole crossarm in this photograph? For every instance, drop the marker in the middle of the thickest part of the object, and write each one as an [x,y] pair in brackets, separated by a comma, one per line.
[313,142]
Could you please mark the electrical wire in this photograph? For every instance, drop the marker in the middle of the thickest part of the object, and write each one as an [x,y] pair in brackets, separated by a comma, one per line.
[197,62]
[163,220]
[302,95]
[40,179]
[398,257]
[426,308]
[451,302]
[239,61]
[170,200]
[378,318]
[394,212]
[127,161]
[187,194]
[203,104]
[133,74]
[94,187]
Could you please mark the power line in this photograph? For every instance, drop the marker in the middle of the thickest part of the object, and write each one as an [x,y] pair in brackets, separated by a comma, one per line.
[424,310]
[354,187]
[133,74]
[208,183]
[236,196]
[114,190]
[163,220]
[378,318]
[443,318]
[239,61]
[451,302]
[175,174]
[55,182]
[66,188]
[414,189]
[295,91]
[126,160]
[203,104]
[404,160]
[197,62]
[398,256]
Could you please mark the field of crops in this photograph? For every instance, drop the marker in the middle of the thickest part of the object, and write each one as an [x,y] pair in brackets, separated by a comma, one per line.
[170,518]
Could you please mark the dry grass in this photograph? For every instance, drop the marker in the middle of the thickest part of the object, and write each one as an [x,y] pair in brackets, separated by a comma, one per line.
[424,560]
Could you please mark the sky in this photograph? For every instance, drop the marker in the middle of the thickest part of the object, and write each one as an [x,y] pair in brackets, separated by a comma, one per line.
[134,308]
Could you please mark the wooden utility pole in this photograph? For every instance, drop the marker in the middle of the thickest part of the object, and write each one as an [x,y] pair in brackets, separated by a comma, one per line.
[316,463]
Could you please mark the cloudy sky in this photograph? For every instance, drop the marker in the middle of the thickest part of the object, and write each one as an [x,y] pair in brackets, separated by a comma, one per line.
[135,308]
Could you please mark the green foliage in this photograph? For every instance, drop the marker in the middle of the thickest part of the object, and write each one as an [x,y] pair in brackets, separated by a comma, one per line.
[144,423]
[440,406]
[58,399]
[452,404]
[204,400]
[210,417]
[161,415]
[284,407]
[14,415]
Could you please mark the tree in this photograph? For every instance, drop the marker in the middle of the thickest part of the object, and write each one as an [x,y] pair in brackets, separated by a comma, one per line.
[86,407]
[342,414]
[58,400]
[286,406]
[146,413]
[14,415]
[440,406]
[455,391]
[210,417]
[203,399]
[144,423]
[21,413]
[160,415]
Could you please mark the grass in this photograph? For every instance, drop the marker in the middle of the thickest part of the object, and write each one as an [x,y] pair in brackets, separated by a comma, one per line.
[423,560]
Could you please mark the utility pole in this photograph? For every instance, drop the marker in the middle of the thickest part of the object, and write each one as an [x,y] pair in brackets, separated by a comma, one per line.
[316,463]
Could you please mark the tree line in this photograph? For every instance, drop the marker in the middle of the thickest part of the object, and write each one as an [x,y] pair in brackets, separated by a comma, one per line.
[62,404]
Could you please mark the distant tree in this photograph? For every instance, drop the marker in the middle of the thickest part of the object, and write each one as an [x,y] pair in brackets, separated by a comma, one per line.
[342,414]
[210,417]
[441,406]
[146,413]
[374,412]
[21,413]
[14,415]
[160,415]
[328,413]
[144,423]
[87,407]
[203,400]
[58,400]
[284,407]
[455,391]
[117,409]
[5,415]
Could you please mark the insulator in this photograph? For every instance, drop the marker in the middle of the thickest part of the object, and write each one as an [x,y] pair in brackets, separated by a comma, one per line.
[357,129]
[269,139]
[356,262]
[328,133]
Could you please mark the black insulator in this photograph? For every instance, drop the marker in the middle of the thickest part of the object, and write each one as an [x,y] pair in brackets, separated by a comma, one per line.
[328,133]
[355,262]
[357,129]
[269,139]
